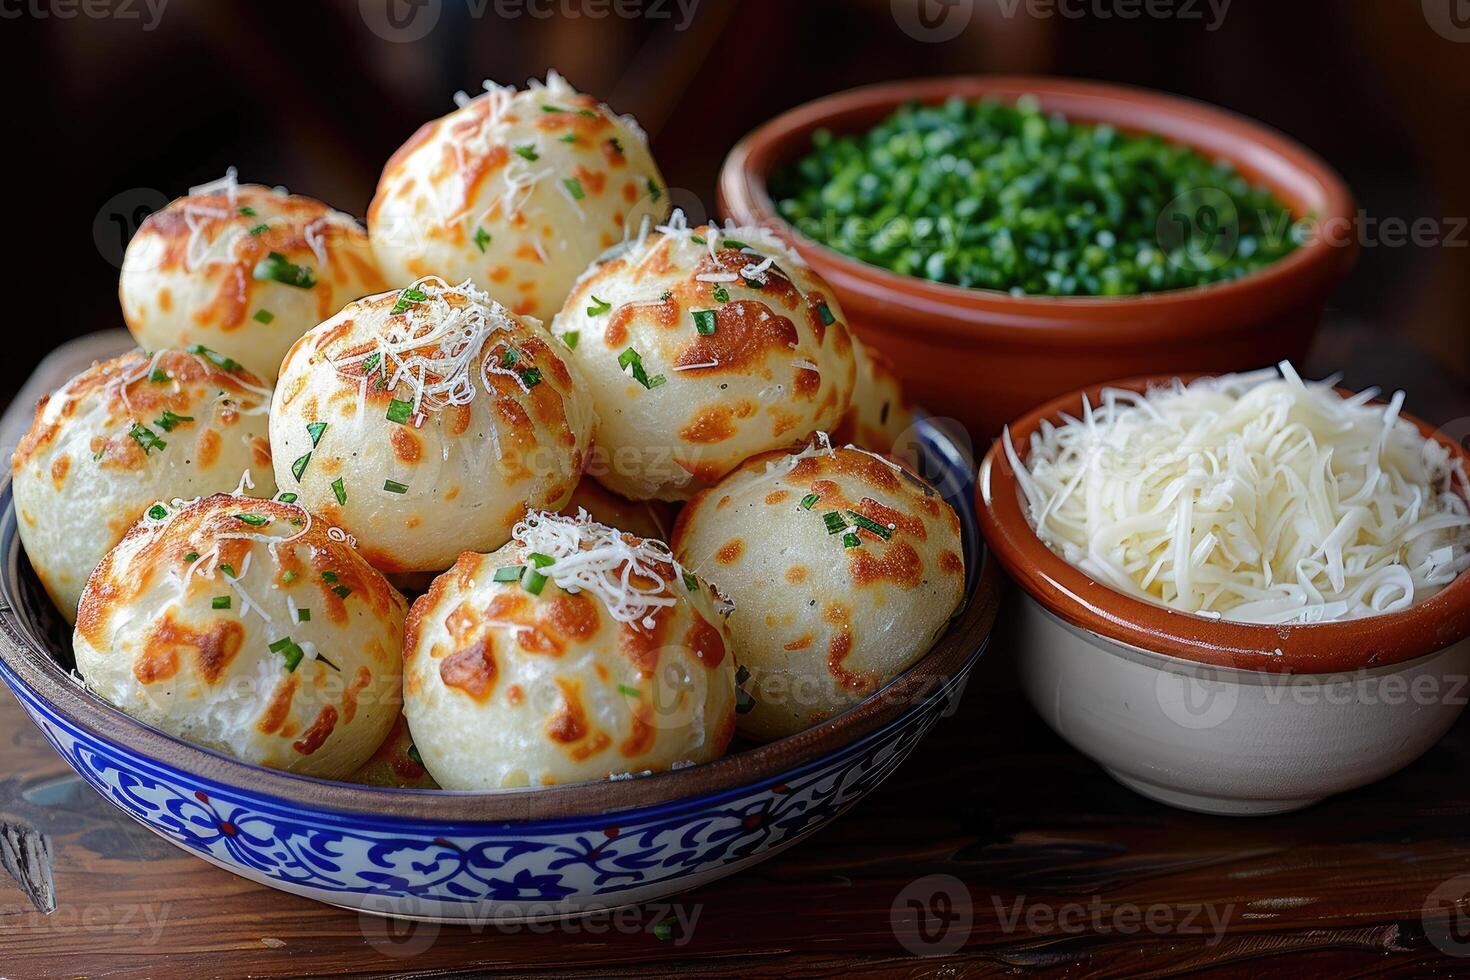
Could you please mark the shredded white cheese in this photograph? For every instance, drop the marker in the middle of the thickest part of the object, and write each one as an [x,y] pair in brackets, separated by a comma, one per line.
[1257,498]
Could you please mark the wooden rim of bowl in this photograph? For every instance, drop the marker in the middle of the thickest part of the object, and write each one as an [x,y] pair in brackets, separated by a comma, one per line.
[1297,176]
[1076,598]
[25,654]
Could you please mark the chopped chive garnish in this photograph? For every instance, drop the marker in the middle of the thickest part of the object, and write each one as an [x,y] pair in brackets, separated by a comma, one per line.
[370,363]
[870,525]
[835,522]
[616,144]
[286,498]
[531,377]
[407,298]
[574,188]
[552,108]
[587,112]
[732,243]
[191,556]
[299,467]
[413,753]
[220,602]
[528,152]
[288,649]
[393,486]
[705,322]
[598,307]
[509,356]
[722,295]
[697,239]
[264,316]
[666,295]
[569,138]
[97,456]
[690,582]
[259,230]
[218,360]
[533,582]
[541,561]
[339,490]
[851,540]
[570,338]
[631,692]
[654,190]
[158,512]
[630,360]
[247,211]
[303,615]
[146,438]
[509,573]
[276,267]
[315,430]
[168,421]
[158,377]
[254,520]
[342,591]
[229,570]
[329,576]
[288,576]
[663,931]
[399,411]
[482,238]
[825,312]
[809,501]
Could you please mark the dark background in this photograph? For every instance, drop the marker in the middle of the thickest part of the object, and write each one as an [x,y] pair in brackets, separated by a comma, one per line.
[110,115]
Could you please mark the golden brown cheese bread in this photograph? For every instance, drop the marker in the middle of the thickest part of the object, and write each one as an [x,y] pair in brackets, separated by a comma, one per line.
[575,652]
[250,627]
[703,346]
[843,567]
[881,417]
[242,269]
[121,435]
[516,191]
[426,421]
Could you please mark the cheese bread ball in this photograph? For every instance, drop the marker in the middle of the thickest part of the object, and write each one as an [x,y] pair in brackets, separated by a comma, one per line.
[881,415]
[119,436]
[426,421]
[641,518]
[517,191]
[242,269]
[576,652]
[703,347]
[396,764]
[250,627]
[844,568]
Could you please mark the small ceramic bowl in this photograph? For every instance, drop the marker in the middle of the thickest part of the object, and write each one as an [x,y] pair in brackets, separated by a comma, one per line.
[984,356]
[513,855]
[1221,717]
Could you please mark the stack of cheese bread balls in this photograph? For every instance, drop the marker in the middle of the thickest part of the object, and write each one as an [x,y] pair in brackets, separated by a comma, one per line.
[593,436]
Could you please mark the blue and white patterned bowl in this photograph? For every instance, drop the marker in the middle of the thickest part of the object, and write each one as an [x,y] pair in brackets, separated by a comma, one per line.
[511,855]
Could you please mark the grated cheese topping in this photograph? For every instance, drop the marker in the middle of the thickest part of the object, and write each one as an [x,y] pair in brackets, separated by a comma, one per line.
[1258,498]
[634,577]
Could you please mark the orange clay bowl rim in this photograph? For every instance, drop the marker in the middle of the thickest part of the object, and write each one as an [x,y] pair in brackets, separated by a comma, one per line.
[1286,167]
[1072,595]
[26,654]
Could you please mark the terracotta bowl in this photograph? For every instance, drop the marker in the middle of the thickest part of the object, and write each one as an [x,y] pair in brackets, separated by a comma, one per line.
[984,356]
[1215,716]
[508,856]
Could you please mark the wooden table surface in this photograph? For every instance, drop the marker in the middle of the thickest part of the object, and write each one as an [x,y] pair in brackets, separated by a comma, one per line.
[996,849]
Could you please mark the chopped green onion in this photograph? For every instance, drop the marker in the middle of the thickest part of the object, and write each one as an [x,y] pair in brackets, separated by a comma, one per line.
[191,556]
[587,112]
[732,243]
[254,520]
[653,189]
[342,591]
[631,360]
[407,298]
[286,498]
[371,362]
[393,486]
[218,360]
[159,376]
[303,615]
[315,430]
[264,316]
[413,753]
[509,356]
[288,576]
[690,582]
[482,239]
[835,522]
[533,581]
[259,230]
[870,525]
[287,648]
[631,692]
[299,467]
[705,322]
[598,307]
[508,573]
[531,377]
[574,188]
[329,576]
[851,540]
[663,930]
[399,411]
[810,501]
[97,456]
[665,296]
[698,239]
[158,512]
[569,138]
[825,312]
[229,570]
[616,144]
[247,211]
[722,295]
[528,152]
[339,490]
[552,108]
[570,338]
[276,267]
[541,561]
[168,421]
[146,438]
[220,602]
